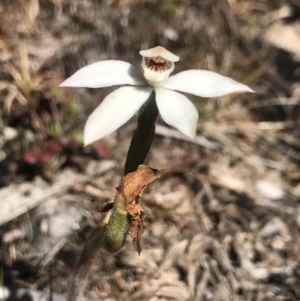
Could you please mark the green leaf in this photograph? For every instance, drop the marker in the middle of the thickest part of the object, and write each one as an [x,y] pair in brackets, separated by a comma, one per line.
[56,130]
[78,137]
[116,230]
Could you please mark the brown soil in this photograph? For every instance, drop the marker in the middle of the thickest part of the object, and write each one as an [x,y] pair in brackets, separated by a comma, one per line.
[223,223]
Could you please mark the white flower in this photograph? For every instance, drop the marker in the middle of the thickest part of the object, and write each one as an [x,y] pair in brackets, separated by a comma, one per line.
[157,63]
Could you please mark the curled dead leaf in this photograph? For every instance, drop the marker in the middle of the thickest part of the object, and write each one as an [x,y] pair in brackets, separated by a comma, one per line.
[127,213]
[136,230]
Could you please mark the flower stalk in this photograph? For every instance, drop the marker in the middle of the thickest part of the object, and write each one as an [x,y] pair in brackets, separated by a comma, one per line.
[143,136]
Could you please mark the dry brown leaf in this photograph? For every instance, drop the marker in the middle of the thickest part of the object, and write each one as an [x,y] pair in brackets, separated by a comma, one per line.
[136,230]
[131,187]
[128,199]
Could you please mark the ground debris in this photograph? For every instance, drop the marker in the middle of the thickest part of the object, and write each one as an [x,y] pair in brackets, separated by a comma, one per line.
[222,223]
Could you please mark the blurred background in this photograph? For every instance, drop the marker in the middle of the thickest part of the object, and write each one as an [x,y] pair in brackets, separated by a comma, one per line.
[223,223]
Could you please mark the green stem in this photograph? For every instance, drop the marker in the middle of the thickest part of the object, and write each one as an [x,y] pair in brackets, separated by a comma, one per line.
[143,136]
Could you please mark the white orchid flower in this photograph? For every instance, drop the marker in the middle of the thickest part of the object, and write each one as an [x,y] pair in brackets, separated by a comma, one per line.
[157,64]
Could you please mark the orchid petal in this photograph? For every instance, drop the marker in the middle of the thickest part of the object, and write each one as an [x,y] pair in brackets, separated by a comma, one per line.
[105,74]
[204,83]
[117,108]
[177,110]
